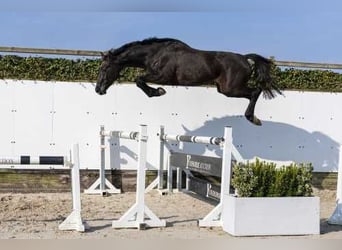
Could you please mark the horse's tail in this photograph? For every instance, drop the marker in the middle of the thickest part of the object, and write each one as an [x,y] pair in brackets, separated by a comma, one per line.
[261,74]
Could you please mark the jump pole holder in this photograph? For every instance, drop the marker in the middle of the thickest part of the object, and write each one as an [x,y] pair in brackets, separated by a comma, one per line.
[74,220]
[102,185]
[336,217]
[135,216]
[214,218]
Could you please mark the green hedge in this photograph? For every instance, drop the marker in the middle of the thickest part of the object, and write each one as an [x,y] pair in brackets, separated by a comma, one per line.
[261,179]
[60,69]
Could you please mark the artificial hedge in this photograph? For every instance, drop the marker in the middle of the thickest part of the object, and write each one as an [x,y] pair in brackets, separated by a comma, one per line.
[61,69]
[262,179]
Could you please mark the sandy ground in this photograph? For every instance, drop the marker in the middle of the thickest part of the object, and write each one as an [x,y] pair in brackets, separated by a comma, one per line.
[37,216]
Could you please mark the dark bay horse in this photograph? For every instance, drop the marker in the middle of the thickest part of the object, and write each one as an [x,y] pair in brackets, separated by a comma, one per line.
[169,61]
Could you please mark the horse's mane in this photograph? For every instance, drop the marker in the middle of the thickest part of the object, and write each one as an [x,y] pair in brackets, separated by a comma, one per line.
[147,41]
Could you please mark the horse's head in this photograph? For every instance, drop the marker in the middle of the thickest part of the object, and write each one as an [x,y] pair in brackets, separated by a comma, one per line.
[109,72]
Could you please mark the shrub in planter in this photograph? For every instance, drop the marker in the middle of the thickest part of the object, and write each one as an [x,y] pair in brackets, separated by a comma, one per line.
[263,179]
[263,205]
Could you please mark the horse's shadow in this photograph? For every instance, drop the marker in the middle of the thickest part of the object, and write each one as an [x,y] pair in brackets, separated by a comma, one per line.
[119,154]
[273,140]
[327,228]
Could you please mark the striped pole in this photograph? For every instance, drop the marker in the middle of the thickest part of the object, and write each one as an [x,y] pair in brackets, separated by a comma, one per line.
[33,160]
[122,134]
[194,139]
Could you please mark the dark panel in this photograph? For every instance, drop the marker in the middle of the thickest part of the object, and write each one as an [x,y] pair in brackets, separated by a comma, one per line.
[204,188]
[202,164]
[24,159]
[198,186]
[51,160]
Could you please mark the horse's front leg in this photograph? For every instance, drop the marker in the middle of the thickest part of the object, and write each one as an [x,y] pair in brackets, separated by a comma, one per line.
[249,114]
[149,91]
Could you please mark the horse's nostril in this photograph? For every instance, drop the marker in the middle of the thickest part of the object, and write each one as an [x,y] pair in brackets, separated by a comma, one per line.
[98,90]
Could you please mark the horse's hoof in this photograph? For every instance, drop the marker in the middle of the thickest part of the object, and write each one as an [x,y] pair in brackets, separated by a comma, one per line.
[161,91]
[256,121]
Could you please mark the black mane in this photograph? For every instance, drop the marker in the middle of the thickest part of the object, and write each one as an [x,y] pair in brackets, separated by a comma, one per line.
[146,41]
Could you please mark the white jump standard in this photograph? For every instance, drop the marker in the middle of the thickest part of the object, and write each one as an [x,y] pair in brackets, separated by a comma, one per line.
[336,217]
[135,216]
[74,220]
[214,218]
[102,185]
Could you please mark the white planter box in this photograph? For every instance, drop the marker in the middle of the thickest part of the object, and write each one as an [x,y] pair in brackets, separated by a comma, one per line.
[271,215]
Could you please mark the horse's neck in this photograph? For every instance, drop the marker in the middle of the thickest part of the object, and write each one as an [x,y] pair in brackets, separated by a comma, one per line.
[135,57]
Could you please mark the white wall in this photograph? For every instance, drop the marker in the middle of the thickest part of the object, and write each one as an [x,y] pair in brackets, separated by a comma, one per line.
[46,118]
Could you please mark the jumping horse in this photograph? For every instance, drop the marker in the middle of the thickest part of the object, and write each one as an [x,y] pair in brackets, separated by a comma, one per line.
[169,61]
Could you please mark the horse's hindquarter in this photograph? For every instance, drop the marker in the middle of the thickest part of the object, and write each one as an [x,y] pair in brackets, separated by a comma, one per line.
[233,62]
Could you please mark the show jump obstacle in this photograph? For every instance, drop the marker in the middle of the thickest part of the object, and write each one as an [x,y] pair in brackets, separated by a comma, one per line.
[214,218]
[74,220]
[135,216]
[219,217]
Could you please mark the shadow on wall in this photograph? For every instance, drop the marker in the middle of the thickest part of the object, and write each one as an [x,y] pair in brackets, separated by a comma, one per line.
[273,140]
[124,152]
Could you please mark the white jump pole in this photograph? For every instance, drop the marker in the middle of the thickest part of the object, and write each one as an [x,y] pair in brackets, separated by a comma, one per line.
[135,216]
[336,217]
[74,220]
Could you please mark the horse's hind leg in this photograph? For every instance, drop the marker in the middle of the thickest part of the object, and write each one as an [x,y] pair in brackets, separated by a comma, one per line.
[236,87]
[149,91]
[249,114]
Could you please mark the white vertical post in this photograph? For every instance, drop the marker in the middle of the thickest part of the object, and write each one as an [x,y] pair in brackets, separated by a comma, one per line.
[74,220]
[214,218]
[226,161]
[76,185]
[187,185]
[140,194]
[103,160]
[161,158]
[169,175]
[135,216]
[339,178]
[336,217]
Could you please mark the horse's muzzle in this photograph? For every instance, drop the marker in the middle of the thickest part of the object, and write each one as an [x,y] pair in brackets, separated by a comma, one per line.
[100,90]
